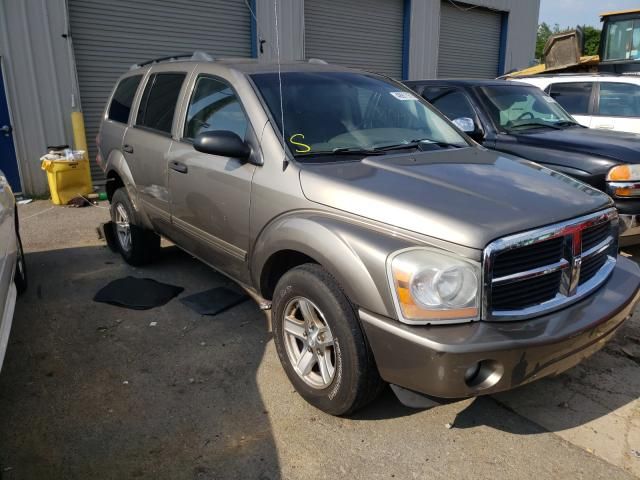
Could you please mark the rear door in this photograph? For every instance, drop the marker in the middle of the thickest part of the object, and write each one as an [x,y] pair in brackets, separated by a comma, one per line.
[576,98]
[211,194]
[147,143]
[117,117]
[617,107]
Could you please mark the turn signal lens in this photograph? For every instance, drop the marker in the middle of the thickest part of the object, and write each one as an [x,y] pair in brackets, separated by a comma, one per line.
[624,173]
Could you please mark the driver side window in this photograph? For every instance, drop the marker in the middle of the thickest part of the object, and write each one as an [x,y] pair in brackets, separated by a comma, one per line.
[214,106]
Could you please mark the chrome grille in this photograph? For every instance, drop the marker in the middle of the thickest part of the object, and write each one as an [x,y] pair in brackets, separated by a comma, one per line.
[534,272]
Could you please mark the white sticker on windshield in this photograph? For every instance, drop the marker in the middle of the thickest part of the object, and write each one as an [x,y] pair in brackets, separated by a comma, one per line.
[403,95]
[549,99]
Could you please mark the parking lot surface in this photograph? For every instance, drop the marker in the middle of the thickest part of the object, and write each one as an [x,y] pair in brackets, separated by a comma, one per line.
[90,390]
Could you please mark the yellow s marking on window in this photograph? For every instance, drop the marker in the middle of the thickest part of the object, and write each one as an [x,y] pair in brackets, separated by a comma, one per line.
[300,147]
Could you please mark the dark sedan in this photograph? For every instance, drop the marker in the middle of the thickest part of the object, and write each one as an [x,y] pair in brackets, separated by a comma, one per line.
[524,121]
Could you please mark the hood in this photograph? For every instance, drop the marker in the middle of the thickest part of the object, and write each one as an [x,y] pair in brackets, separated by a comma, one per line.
[469,196]
[621,146]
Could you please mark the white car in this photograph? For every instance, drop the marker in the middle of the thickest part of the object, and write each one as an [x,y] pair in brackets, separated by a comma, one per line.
[606,101]
[13,275]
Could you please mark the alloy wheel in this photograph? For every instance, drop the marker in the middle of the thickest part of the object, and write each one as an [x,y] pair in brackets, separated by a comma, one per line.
[309,342]
[123,227]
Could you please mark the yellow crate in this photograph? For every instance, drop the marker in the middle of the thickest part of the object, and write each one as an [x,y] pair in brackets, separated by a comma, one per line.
[67,180]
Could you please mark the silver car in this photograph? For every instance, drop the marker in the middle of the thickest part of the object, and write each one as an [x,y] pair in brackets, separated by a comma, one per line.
[391,246]
[13,274]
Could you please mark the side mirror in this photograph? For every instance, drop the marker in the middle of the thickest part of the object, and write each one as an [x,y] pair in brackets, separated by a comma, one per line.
[468,126]
[223,143]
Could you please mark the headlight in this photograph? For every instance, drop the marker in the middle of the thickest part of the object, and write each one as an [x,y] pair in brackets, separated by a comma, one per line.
[624,173]
[431,286]
[623,181]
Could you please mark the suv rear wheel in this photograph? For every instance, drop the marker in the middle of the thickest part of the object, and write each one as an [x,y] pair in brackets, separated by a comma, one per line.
[136,244]
[320,343]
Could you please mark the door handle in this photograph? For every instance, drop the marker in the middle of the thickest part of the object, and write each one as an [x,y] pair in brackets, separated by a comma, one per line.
[605,127]
[127,148]
[6,130]
[178,167]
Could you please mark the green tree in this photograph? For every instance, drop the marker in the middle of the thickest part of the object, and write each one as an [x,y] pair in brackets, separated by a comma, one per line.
[591,40]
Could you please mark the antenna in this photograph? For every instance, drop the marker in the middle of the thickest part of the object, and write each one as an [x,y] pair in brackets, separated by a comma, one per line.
[284,145]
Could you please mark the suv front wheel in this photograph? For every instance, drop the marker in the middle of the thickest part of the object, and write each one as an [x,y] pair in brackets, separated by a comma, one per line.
[320,342]
[136,244]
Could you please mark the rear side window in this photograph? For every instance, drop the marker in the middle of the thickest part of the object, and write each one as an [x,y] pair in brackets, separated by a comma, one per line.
[214,106]
[574,97]
[619,100]
[450,101]
[120,107]
[159,100]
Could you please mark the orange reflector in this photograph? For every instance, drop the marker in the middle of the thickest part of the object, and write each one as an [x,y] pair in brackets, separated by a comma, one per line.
[621,172]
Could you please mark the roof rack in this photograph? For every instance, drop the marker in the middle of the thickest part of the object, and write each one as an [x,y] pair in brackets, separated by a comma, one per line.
[197,55]
[566,74]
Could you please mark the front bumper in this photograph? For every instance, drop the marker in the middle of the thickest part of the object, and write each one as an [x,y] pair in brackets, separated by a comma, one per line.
[435,359]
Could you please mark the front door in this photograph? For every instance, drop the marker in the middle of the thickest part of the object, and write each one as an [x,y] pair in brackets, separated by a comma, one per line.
[211,194]
[8,160]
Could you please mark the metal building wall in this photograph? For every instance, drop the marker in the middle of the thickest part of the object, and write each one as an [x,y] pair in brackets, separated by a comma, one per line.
[290,29]
[425,33]
[37,68]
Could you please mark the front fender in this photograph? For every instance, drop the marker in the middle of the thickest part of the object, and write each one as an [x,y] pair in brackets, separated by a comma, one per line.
[353,253]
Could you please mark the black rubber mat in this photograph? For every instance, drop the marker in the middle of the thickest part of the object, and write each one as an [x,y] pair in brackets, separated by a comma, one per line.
[214,301]
[137,293]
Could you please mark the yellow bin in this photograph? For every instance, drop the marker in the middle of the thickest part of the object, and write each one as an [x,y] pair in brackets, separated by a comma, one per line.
[67,179]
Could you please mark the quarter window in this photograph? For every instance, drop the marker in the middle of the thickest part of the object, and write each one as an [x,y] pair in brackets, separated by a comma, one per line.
[214,106]
[123,99]
[619,100]
[574,97]
[159,100]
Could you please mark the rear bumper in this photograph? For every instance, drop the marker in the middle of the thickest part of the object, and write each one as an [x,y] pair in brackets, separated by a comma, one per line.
[434,359]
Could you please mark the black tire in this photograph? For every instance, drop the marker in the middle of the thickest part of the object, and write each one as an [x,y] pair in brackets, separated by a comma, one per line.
[144,244]
[20,277]
[356,381]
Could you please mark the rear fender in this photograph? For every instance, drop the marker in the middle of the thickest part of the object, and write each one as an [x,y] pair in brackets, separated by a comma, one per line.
[118,164]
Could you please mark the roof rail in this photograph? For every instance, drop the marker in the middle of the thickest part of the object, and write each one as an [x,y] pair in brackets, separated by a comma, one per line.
[197,55]
[317,61]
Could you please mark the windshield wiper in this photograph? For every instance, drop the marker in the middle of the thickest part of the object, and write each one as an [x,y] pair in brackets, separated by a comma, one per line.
[536,124]
[342,151]
[416,144]
[567,123]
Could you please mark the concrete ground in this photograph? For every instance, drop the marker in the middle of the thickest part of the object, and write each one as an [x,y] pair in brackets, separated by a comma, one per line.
[90,390]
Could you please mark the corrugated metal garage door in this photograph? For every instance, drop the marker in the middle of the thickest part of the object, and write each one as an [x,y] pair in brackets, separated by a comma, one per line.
[111,35]
[469,42]
[356,33]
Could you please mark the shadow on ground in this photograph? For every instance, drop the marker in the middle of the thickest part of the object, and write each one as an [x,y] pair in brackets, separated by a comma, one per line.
[91,390]
[604,384]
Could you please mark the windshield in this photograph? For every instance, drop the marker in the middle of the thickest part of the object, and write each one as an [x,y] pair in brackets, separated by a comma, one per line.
[622,40]
[342,113]
[515,107]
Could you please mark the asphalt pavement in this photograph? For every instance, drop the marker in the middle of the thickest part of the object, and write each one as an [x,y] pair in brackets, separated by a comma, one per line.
[94,391]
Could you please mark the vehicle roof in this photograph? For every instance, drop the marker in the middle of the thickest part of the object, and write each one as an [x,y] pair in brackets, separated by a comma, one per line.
[548,79]
[251,66]
[619,12]
[461,82]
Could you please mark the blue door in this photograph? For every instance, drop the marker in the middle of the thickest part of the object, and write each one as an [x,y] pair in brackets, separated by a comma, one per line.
[8,160]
